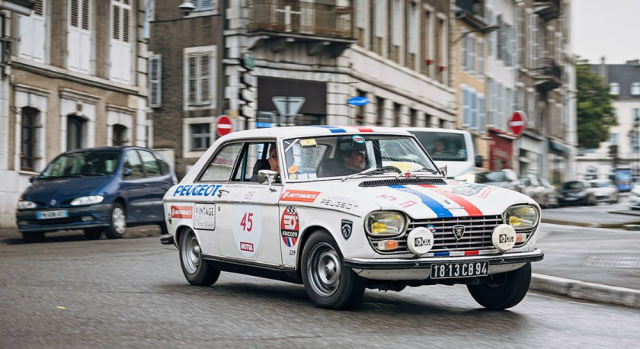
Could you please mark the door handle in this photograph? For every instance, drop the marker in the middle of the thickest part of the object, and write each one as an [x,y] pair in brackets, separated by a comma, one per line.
[220,192]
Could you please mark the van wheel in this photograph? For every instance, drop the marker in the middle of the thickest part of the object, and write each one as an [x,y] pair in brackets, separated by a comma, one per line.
[31,237]
[93,233]
[118,225]
[505,290]
[196,270]
[327,282]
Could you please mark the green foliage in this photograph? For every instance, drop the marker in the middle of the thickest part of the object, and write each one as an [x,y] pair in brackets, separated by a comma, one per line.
[595,111]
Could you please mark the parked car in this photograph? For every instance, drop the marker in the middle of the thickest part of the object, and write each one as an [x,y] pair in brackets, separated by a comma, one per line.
[532,188]
[549,192]
[634,196]
[576,193]
[96,190]
[605,190]
[344,208]
[504,179]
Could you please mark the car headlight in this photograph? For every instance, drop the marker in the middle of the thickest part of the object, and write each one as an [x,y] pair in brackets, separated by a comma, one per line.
[522,217]
[23,204]
[385,223]
[87,200]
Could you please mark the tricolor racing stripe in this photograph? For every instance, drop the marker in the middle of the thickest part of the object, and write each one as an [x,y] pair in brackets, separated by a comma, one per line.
[438,208]
[344,129]
[471,209]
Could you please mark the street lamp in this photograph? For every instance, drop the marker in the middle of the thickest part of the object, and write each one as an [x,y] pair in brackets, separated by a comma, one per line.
[484,30]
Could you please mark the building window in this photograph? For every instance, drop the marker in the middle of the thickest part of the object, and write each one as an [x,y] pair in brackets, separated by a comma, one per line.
[200,136]
[119,135]
[29,142]
[614,88]
[480,59]
[202,5]
[33,27]
[199,66]
[636,116]
[75,130]
[463,50]
[613,139]
[120,67]
[635,88]
[79,38]
[155,81]
[380,111]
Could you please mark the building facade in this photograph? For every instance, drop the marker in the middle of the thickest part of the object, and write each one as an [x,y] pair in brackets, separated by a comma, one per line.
[76,77]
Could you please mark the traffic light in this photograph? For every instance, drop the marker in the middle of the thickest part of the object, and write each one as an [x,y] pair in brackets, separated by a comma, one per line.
[613,150]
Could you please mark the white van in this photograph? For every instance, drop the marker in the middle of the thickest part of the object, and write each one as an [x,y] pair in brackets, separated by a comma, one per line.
[453,148]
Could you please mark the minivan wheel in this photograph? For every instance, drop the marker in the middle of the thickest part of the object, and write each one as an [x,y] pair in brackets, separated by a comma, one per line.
[93,233]
[118,225]
[31,237]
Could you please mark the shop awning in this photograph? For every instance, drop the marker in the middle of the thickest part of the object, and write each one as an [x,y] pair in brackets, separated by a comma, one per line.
[558,148]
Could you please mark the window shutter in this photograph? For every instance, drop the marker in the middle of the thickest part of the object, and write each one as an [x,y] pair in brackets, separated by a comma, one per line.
[116,22]
[472,54]
[465,107]
[463,51]
[474,110]
[155,81]
[205,78]
[480,58]
[192,62]
[481,114]
[79,43]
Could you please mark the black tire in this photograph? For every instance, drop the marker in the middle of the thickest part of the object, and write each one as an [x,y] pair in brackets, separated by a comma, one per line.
[33,237]
[118,223]
[196,270]
[506,290]
[93,233]
[327,282]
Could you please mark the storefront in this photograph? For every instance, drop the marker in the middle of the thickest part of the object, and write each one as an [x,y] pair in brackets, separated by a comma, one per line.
[558,161]
[501,151]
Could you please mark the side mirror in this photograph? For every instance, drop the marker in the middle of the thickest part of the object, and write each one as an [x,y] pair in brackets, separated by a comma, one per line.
[478,160]
[33,179]
[267,175]
[127,172]
[443,170]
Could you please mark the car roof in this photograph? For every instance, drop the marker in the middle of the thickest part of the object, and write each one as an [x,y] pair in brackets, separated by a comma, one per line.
[432,129]
[108,148]
[311,131]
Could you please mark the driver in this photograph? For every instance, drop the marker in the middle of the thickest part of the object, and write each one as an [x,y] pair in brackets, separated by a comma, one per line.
[354,158]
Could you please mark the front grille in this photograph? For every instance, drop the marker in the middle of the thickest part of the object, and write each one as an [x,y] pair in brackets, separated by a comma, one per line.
[56,221]
[477,234]
[403,181]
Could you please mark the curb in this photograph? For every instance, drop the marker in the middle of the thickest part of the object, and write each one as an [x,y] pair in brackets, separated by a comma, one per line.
[581,224]
[585,290]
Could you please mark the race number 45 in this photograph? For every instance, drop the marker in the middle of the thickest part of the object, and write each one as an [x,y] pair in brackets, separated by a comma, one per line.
[247,223]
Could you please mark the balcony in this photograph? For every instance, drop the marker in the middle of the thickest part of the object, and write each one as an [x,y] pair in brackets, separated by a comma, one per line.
[549,76]
[318,25]
[547,9]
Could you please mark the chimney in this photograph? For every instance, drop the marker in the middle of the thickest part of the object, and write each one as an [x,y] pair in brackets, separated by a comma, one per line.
[602,70]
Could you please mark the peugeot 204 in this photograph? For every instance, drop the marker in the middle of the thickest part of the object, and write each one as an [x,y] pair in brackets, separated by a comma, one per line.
[343,209]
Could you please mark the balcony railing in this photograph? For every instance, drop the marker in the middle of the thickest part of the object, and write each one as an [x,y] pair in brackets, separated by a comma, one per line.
[549,76]
[547,9]
[306,18]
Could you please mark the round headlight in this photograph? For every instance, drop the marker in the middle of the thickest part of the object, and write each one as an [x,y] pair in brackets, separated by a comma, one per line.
[523,217]
[87,200]
[385,223]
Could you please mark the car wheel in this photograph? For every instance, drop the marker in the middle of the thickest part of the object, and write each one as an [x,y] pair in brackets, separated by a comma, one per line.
[31,237]
[93,233]
[327,282]
[195,269]
[118,225]
[505,290]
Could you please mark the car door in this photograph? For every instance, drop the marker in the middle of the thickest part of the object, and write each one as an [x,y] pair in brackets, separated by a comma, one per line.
[134,186]
[156,185]
[251,229]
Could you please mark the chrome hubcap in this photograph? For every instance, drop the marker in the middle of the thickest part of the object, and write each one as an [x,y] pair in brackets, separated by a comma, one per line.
[325,269]
[119,220]
[191,256]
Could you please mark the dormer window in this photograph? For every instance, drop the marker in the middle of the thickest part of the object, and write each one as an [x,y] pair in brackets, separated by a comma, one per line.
[635,89]
[614,88]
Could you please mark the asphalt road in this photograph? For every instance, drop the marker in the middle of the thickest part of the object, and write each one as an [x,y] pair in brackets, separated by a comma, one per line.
[72,293]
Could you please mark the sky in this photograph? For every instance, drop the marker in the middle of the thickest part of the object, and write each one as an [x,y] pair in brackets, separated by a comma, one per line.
[609,28]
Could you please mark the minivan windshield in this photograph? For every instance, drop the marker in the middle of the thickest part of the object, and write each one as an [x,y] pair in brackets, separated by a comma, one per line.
[82,164]
[443,146]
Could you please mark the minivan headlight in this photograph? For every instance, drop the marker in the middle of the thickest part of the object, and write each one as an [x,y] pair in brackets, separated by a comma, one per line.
[523,217]
[385,223]
[24,204]
[87,200]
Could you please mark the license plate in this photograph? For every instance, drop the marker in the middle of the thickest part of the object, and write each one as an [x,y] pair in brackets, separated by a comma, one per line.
[52,214]
[459,270]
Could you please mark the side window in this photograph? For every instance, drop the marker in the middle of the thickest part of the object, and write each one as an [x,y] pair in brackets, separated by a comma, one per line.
[164,167]
[221,166]
[132,161]
[252,161]
[151,167]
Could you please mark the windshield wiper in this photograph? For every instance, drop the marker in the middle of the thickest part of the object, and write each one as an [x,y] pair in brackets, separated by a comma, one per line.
[430,170]
[374,170]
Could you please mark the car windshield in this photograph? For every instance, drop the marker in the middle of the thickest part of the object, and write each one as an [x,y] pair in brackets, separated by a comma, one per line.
[332,156]
[81,164]
[572,185]
[443,146]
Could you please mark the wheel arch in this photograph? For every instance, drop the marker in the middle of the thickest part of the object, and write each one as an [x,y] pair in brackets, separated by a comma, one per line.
[179,231]
[306,234]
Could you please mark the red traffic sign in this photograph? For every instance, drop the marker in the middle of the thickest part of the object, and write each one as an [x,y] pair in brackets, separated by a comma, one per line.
[517,123]
[224,125]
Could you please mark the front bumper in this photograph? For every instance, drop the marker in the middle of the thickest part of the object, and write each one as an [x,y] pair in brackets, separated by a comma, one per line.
[78,218]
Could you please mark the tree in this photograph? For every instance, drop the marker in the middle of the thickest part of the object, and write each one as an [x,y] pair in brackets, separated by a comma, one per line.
[595,111]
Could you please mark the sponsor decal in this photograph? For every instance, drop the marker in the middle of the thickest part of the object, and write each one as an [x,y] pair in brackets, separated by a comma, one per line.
[503,237]
[249,195]
[290,226]
[196,190]
[358,139]
[468,190]
[299,195]
[247,228]
[339,202]
[432,229]
[204,216]
[184,212]
[419,242]
[485,193]
[346,227]
[458,231]
[246,246]
[401,204]
[471,209]
[438,208]
[506,239]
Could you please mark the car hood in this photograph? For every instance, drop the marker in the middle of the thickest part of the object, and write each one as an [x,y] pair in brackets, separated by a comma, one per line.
[455,168]
[63,189]
[419,201]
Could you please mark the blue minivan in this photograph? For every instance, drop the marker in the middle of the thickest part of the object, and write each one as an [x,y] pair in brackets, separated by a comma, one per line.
[96,190]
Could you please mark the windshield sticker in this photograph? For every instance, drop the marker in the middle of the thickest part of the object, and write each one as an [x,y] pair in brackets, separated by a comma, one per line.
[290,226]
[358,139]
[308,143]
[196,190]
[247,228]
[204,216]
[182,212]
[346,228]
[471,209]
[299,195]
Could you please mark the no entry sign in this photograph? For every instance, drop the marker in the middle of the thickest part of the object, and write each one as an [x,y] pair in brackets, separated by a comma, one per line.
[517,123]
[224,126]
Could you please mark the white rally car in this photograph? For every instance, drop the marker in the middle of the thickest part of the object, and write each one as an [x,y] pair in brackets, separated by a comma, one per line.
[342,209]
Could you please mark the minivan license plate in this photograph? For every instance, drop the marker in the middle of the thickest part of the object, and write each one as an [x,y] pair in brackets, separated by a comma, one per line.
[52,214]
[459,270]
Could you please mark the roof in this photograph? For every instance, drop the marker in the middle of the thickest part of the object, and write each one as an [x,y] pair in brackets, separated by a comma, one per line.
[312,131]
[624,75]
